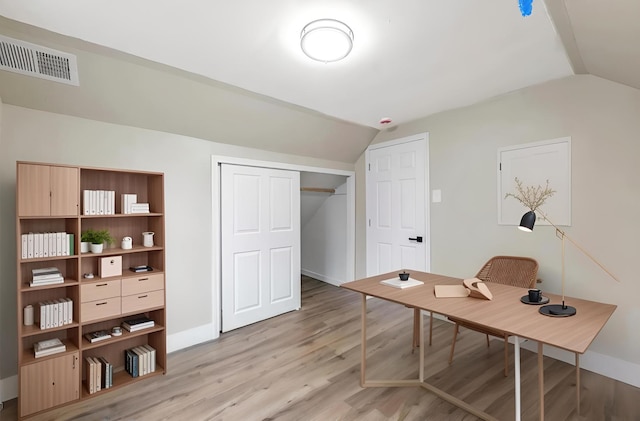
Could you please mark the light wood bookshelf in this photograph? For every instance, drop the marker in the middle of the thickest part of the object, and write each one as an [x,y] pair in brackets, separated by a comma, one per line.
[49,198]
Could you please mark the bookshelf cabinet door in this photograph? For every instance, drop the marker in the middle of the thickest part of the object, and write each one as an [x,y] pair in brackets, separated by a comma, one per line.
[64,191]
[49,383]
[47,190]
[33,190]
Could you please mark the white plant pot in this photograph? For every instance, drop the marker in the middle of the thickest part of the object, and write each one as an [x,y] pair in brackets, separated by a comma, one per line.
[84,247]
[96,248]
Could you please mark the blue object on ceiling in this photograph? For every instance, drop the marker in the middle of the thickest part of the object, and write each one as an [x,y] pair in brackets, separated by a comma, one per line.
[525,7]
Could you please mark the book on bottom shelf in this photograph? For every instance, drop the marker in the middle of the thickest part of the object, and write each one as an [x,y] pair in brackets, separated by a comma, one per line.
[89,373]
[140,360]
[98,374]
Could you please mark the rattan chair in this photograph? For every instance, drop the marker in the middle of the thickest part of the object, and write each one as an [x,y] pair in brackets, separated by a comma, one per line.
[509,270]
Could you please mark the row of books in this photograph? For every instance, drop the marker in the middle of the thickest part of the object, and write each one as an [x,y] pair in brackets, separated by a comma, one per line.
[56,313]
[98,202]
[48,347]
[46,276]
[47,244]
[138,323]
[140,360]
[129,204]
[98,374]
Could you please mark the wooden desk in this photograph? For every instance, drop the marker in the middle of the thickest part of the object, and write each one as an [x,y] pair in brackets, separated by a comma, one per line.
[505,312]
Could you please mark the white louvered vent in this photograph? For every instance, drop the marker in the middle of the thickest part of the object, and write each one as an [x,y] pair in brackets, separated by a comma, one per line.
[38,61]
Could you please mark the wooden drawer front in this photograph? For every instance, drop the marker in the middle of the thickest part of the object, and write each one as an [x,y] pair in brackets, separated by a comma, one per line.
[100,309]
[142,301]
[142,283]
[100,290]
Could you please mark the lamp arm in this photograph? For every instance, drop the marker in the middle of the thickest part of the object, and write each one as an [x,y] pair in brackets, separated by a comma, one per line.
[564,235]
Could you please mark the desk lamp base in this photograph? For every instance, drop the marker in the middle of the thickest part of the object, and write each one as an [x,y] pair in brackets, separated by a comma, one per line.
[558,310]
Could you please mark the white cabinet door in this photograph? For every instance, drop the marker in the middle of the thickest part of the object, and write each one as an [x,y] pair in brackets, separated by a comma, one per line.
[396,207]
[260,218]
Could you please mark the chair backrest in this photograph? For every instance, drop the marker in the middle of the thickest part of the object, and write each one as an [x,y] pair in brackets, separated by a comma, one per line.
[510,270]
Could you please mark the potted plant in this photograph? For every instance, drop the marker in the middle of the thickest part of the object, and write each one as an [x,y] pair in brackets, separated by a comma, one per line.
[96,238]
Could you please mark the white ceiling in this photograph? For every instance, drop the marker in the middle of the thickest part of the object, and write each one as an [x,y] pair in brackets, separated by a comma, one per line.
[410,59]
[232,72]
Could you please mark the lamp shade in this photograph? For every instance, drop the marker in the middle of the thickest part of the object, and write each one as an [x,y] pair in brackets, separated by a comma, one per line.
[326,40]
[528,221]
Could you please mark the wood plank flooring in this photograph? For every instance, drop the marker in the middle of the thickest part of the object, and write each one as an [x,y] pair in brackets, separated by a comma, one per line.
[305,365]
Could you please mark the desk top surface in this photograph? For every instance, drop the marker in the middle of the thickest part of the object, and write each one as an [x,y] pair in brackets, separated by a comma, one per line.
[504,312]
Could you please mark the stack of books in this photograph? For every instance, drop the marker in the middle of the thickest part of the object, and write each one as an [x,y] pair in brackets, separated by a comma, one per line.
[139,208]
[140,360]
[138,323]
[46,276]
[98,374]
[98,336]
[48,347]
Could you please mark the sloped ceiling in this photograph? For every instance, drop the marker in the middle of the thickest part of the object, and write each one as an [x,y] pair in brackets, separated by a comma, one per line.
[232,72]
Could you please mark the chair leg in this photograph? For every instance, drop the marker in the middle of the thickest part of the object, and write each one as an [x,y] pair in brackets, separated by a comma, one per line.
[416,329]
[506,355]
[487,340]
[453,344]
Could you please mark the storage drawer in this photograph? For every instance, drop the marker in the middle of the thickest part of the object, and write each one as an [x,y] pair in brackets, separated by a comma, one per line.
[100,290]
[142,283]
[100,309]
[142,301]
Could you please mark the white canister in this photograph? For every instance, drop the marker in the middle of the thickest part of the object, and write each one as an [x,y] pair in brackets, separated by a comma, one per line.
[127,243]
[28,315]
[147,238]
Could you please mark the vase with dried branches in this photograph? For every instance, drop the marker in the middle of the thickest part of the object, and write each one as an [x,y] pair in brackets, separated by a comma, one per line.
[530,196]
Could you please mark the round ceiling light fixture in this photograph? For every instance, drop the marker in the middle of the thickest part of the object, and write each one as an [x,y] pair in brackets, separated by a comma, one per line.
[326,40]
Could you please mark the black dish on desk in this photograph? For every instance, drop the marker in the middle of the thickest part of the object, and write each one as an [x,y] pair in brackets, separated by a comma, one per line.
[525,299]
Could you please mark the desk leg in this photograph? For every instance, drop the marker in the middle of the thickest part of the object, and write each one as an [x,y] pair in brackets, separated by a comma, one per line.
[541,379]
[516,348]
[578,383]
[363,341]
[421,374]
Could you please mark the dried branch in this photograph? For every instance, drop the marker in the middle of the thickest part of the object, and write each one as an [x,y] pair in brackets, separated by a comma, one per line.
[531,197]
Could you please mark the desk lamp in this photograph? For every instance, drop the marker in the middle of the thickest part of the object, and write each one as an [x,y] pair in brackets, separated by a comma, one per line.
[557,310]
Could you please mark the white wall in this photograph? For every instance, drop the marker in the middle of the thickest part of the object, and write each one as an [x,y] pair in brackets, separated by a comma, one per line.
[29,135]
[603,120]
[324,237]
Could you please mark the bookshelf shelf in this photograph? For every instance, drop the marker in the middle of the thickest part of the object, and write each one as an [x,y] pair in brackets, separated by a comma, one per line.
[29,357]
[51,198]
[123,215]
[86,345]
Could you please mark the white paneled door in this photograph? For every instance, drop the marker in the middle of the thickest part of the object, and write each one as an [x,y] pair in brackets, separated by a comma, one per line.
[260,231]
[396,183]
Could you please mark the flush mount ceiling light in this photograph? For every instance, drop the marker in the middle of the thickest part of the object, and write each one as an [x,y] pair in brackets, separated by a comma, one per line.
[326,40]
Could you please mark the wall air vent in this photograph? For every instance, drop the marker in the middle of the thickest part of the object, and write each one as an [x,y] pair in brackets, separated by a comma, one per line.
[34,60]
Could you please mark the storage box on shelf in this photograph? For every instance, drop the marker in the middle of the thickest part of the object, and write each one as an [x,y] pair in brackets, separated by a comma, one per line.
[50,200]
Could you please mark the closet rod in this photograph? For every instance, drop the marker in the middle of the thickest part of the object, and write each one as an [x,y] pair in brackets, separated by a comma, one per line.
[318,190]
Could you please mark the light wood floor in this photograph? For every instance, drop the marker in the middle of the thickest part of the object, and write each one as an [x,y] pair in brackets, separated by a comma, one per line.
[305,365]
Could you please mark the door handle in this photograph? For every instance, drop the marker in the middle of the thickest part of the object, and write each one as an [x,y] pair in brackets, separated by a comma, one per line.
[418,239]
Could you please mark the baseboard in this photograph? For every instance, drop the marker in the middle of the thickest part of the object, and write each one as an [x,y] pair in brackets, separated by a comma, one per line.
[8,388]
[190,337]
[605,365]
[321,277]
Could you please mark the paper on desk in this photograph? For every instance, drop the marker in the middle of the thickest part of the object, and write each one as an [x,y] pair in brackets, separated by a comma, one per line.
[397,283]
